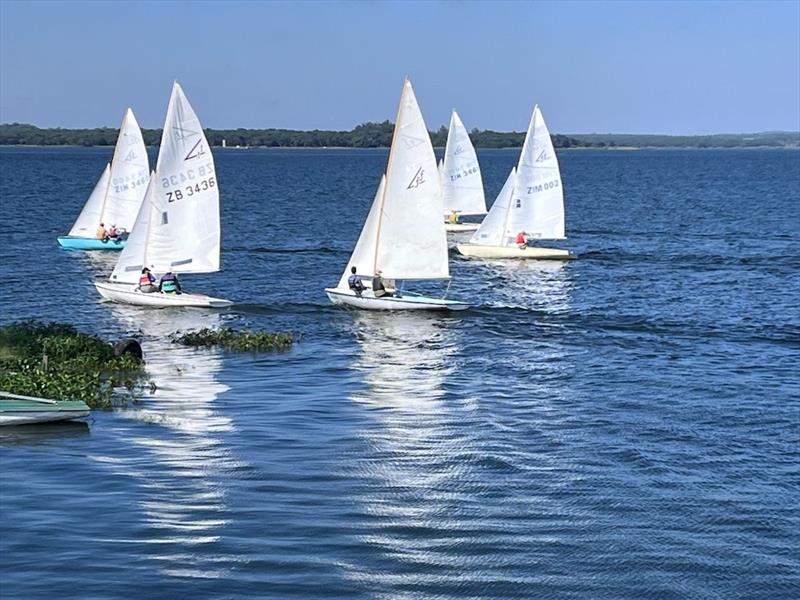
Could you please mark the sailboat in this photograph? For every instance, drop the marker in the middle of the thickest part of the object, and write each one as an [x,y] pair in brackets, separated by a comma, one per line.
[403,237]
[531,201]
[462,184]
[118,194]
[177,228]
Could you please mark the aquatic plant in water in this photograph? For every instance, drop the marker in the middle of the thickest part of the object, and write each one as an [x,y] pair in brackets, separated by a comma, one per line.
[244,340]
[56,361]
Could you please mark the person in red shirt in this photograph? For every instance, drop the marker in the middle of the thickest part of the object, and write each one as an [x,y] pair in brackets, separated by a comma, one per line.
[522,240]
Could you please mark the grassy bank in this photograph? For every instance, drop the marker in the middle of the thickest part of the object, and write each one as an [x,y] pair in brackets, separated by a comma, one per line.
[56,361]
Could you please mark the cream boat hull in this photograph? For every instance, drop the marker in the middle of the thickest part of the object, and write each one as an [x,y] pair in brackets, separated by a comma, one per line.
[533,252]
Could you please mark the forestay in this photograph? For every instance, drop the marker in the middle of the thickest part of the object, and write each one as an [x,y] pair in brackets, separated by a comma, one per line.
[494,230]
[177,228]
[462,184]
[87,222]
[363,256]
[537,203]
[129,175]
[411,240]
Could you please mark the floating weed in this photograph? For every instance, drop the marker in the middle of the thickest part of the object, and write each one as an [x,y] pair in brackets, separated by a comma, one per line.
[243,340]
[53,360]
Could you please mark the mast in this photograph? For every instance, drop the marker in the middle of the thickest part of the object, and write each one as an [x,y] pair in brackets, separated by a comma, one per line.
[388,171]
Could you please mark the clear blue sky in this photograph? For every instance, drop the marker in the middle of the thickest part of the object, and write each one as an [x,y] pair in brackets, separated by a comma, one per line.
[623,67]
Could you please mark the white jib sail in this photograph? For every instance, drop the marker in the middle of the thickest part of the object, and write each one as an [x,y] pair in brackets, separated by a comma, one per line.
[184,235]
[87,222]
[494,231]
[130,169]
[462,184]
[537,205]
[177,228]
[132,259]
[363,256]
[412,242]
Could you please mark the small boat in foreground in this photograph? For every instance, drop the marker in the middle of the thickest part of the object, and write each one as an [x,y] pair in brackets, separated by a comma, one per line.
[177,229]
[531,201]
[117,195]
[24,410]
[460,174]
[403,237]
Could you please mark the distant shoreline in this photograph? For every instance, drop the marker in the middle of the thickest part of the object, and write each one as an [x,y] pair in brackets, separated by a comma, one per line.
[309,148]
[379,135]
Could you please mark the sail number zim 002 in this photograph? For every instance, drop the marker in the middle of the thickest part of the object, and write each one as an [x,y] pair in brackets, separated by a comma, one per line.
[197,182]
[541,187]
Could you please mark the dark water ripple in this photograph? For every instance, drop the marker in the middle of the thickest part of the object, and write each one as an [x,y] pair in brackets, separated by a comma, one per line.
[626,425]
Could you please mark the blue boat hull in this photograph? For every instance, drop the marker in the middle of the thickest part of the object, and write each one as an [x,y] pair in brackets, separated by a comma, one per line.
[82,243]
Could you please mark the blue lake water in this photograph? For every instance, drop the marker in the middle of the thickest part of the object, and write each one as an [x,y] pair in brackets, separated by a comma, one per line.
[626,425]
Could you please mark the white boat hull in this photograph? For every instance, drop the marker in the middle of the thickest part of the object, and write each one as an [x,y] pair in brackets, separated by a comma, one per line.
[530,252]
[405,302]
[129,294]
[461,227]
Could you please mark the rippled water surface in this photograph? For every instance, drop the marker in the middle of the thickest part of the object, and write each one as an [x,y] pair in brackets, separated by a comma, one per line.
[626,425]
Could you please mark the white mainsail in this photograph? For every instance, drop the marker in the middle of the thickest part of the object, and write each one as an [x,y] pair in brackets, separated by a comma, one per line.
[462,184]
[363,257]
[494,231]
[411,239]
[129,174]
[537,204]
[87,222]
[177,228]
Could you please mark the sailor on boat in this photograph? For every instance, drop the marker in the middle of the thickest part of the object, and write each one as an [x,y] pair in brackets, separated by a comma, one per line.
[355,283]
[147,282]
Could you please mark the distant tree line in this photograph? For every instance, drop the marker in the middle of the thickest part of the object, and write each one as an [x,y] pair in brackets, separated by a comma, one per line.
[366,135]
[379,135]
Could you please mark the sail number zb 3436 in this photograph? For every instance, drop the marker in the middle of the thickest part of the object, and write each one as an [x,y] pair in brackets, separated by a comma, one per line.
[189,182]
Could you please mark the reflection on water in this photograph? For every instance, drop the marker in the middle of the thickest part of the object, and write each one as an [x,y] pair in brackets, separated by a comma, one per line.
[42,432]
[416,468]
[179,471]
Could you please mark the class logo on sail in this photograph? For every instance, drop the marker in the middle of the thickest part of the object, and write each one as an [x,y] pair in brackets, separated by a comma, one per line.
[197,150]
[543,156]
[417,180]
[130,156]
[411,142]
[459,150]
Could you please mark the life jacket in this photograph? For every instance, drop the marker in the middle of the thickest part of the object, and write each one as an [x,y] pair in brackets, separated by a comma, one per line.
[144,279]
[520,238]
[168,286]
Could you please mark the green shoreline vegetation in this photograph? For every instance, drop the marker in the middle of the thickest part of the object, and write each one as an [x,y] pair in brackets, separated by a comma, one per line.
[379,135]
[244,340]
[58,362]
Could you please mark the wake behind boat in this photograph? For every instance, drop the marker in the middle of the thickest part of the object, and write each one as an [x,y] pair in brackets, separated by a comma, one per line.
[530,206]
[177,229]
[403,237]
[117,195]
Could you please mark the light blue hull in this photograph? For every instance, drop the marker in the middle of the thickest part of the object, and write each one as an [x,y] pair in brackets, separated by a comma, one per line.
[82,243]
